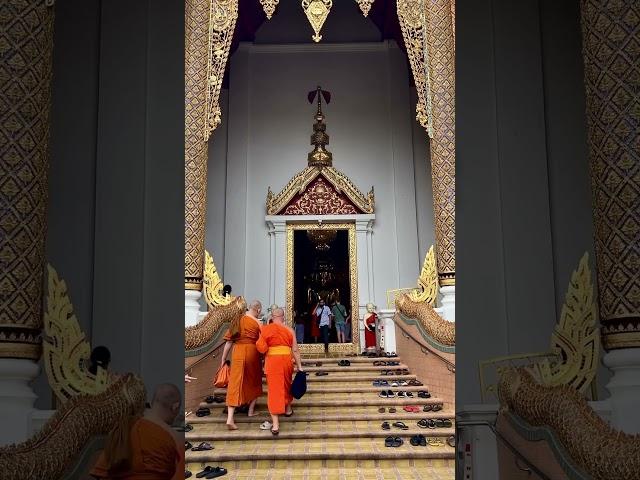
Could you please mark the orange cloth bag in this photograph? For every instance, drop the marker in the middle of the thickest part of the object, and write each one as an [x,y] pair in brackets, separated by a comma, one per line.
[223,374]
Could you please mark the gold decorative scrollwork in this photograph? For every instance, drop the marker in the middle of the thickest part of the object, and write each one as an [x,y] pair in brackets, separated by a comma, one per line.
[298,185]
[222,22]
[65,349]
[600,451]
[428,281]
[412,16]
[52,451]
[269,7]
[365,6]
[213,284]
[317,12]
[198,335]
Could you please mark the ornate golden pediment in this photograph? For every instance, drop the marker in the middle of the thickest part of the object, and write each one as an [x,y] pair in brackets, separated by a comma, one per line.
[306,194]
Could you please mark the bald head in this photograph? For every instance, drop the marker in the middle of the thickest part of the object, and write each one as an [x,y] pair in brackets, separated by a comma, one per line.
[278,312]
[166,395]
[256,306]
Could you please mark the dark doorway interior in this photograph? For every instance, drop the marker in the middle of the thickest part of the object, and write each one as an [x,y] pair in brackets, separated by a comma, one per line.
[320,270]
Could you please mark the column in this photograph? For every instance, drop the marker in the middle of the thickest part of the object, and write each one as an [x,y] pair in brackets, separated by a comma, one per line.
[280,262]
[428,32]
[209,26]
[611,33]
[26,44]
[272,262]
[389,329]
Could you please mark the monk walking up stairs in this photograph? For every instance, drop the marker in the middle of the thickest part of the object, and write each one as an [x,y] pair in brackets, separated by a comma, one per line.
[367,418]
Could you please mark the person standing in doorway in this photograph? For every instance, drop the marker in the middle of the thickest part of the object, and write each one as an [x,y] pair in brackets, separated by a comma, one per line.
[323,313]
[340,317]
[299,321]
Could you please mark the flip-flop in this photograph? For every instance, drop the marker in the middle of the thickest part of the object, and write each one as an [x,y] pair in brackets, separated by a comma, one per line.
[422,440]
[265,425]
[204,446]
[400,425]
[321,374]
[411,409]
[397,442]
[437,407]
[447,423]
[394,384]
[289,414]
[401,394]
[423,423]
[415,441]
[383,394]
[209,399]
[392,410]
[409,394]
[431,423]
[188,427]
[390,394]
[217,472]
[386,426]
[381,410]
[207,470]
[439,423]
[388,442]
[427,408]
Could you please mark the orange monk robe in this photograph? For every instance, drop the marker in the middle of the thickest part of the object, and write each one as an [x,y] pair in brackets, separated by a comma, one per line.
[245,381]
[157,453]
[277,366]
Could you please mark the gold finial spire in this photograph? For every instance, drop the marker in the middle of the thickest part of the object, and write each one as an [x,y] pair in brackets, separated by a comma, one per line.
[319,139]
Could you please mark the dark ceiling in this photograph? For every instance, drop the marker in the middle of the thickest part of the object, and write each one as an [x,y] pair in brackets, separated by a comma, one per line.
[345,24]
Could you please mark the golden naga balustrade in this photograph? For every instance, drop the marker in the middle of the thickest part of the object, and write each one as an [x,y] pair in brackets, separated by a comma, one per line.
[198,335]
[55,449]
[592,444]
[441,330]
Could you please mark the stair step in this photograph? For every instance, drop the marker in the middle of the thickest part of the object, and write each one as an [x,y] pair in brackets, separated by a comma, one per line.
[351,388]
[362,401]
[220,434]
[329,417]
[386,469]
[318,449]
[352,360]
[348,377]
[359,367]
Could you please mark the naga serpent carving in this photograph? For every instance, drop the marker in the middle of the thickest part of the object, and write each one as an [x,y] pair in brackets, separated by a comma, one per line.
[198,335]
[441,330]
[599,450]
[54,449]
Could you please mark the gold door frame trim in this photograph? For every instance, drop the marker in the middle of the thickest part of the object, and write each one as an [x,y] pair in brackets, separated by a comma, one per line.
[337,348]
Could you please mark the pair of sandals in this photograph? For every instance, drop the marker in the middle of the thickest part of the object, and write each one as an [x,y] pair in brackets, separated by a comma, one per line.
[344,363]
[400,425]
[415,383]
[393,442]
[203,412]
[203,447]
[380,383]
[210,472]
[435,423]
[385,364]
[321,374]
[214,399]
[266,425]
[411,409]
[418,441]
[401,383]
[391,410]
[386,394]
[424,394]
[403,394]
[436,407]
[399,371]
[390,355]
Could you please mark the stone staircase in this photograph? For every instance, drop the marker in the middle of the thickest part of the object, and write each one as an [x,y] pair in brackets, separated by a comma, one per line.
[335,432]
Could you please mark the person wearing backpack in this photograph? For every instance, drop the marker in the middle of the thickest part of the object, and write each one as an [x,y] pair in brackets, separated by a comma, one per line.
[341,318]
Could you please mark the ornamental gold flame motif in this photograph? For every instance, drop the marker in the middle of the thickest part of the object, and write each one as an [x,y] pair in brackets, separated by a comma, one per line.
[66,352]
[213,284]
[428,281]
[575,340]
[317,12]
[269,7]
[365,6]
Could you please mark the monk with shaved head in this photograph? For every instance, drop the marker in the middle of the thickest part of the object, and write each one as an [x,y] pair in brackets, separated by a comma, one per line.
[278,342]
[245,379]
[146,446]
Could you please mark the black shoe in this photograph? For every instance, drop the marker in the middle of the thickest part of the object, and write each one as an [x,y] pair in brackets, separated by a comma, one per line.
[415,440]
[422,440]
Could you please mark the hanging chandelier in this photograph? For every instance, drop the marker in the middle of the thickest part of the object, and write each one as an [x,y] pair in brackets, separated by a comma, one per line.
[323,272]
[322,238]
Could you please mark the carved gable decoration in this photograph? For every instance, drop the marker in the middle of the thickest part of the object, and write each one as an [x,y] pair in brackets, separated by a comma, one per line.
[320,191]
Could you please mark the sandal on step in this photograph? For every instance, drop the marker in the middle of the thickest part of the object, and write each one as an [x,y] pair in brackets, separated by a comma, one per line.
[217,472]
[187,474]
[386,426]
[265,425]
[207,470]
[392,410]
[415,441]
[451,441]
[388,442]
[397,442]
[400,425]
[202,447]
[447,423]
[437,407]
[423,423]
[275,432]
[427,408]
[381,410]
[289,414]
[423,440]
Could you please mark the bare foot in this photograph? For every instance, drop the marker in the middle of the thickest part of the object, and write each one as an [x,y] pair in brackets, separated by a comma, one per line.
[254,414]
[232,426]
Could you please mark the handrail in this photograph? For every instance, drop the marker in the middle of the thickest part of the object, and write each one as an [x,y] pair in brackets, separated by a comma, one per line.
[459,425]
[213,351]
[426,350]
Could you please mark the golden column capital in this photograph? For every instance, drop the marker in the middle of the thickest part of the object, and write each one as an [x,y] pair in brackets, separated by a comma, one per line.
[428,32]
[26,45]
[611,35]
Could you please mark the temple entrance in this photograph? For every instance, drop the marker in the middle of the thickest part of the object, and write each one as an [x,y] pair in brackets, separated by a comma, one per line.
[322,265]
